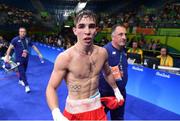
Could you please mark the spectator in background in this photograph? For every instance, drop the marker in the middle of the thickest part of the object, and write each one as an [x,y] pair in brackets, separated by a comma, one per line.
[3,46]
[154,45]
[104,41]
[135,49]
[158,45]
[165,58]
[142,43]
[149,44]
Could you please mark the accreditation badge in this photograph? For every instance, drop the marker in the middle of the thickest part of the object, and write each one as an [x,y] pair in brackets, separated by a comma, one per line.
[24,53]
[117,73]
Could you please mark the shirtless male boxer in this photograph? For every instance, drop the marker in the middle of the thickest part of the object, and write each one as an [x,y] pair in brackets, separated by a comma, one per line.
[80,66]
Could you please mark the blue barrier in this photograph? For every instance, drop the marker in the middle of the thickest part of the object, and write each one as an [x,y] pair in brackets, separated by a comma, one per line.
[155,86]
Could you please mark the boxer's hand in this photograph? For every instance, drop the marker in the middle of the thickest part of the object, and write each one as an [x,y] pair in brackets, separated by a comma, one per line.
[119,96]
[110,102]
[57,115]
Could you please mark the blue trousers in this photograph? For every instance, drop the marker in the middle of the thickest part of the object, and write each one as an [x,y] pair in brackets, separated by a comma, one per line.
[22,71]
[117,114]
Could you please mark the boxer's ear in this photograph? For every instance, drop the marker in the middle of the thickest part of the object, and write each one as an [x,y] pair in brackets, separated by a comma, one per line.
[74,30]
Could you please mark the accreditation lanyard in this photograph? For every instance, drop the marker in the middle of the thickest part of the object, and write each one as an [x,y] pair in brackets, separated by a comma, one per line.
[26,44]
[120,61]
[164,60]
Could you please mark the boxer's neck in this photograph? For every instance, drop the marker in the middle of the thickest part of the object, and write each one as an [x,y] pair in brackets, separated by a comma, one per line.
[85,50]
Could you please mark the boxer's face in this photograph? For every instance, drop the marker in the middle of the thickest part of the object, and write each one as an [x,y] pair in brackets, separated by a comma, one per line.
[85,30]
[22,32]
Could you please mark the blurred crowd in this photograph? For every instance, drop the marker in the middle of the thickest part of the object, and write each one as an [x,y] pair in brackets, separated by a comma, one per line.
[3,46]
[13,15]
[168,16]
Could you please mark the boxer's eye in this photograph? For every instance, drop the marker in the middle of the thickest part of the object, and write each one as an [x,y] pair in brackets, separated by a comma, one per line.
[92,26]
[81,26]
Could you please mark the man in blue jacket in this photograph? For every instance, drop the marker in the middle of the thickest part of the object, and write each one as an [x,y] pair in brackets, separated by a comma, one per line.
[21,44]
[118,62]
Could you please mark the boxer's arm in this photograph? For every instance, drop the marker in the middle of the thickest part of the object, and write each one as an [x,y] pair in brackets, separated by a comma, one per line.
[110,79]
[109,76]
[107,70]
[59,71]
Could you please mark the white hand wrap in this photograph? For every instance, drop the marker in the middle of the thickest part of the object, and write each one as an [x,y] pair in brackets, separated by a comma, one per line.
[57,115]
[118,95]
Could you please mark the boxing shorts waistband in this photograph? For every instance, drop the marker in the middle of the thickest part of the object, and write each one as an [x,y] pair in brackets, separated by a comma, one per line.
[83,105]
